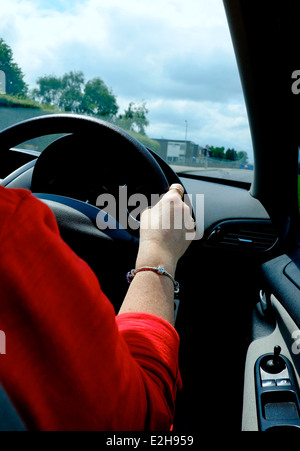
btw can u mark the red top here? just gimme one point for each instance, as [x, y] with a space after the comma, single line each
[70, 363]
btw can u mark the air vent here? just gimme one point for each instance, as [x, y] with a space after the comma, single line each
[249, 235]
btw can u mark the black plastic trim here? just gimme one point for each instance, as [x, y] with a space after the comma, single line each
[280, 284]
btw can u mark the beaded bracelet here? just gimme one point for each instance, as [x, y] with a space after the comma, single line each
[160, 271]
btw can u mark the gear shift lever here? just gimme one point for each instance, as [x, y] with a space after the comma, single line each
[273, 364]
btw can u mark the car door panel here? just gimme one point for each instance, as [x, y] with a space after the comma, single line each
[281, 277]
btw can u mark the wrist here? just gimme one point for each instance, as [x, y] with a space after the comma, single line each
[158, 270]
[155, 258]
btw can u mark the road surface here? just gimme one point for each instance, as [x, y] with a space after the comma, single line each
[241, 175]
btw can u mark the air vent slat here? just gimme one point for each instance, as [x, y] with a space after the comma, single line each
[254, 235]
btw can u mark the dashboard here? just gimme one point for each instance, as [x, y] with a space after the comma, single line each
[224, 202]
[228, 215]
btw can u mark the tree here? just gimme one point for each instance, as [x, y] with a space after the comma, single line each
[134, 118]
[64, 93]
[70, 93]
[217, 152]
[98, 99]
[15, 84]
[48, 91]
[231, 155]
[71, 97]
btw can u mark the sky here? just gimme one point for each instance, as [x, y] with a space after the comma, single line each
[176, 56]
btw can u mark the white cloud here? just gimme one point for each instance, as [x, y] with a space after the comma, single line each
[177, 56]
[209, 123]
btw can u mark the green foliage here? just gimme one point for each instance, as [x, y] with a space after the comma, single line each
[147, 142]
[230, 154]
[63, 93]
[70, 93]
[15, 84]
[217, 152]
[98, 100]
[48, 92]
[7, 101]
[134, 118]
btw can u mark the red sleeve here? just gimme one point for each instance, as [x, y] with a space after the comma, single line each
[69, 364]
[154, 344]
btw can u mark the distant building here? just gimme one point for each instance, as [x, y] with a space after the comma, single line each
[179, 152]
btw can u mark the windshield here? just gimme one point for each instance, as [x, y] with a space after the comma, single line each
[164, 70]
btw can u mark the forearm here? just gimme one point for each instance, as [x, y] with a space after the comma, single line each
[152, 293]
[162, 243]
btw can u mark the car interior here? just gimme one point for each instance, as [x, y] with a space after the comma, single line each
[239, 314]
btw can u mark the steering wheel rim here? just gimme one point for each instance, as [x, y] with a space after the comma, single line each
[77, 124]
[80, 125]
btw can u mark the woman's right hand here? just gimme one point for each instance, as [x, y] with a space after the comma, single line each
[166, 231]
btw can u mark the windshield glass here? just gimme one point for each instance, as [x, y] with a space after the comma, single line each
[164, 70]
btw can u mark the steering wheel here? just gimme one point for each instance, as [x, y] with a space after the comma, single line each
[94, 158]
